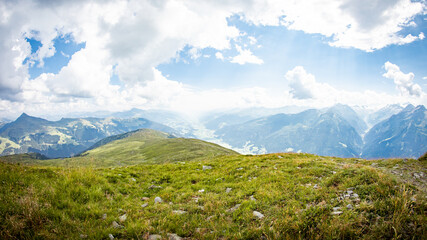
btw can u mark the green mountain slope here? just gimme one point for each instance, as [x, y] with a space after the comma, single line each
[275, 196]
[140, 146]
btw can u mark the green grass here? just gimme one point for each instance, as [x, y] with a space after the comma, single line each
[38, 202]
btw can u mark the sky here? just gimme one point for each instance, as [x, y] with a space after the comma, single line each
[193, 56]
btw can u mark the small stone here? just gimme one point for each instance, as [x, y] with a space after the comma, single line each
[258, 214]
[154, 186]
[83, 236]
[349, 192]
[279, 156]
[119, 174]
[110, 236]
[416, 175]
[275, 168]
[201, 208]
[209, 218]
[154, 237]
[234, 208]
[116, 225]
[133, 179]
[179, 212]
[144, 205]
[336, 213]
[355, 195]
[336, 209]
[170, 203]
[201, 190]
[333, 172]
[123, 218]
[239, 169]
[104, 216]
[252, 198]
[316, 186]
[145, 198]
[298, 167]
[158, 200]
[349, 206]
[173, 236]
[206, 168]
[228, 190]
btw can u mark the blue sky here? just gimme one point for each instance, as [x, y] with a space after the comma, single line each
[199, 56]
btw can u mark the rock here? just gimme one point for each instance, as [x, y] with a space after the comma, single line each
[116, 225]
[158, 200]
[154, 237]
[122, 218]
[279, 156]
[239, 169]
[316, 186]
[173, 236]
[201, 190]
[144, 205]
[252, 198]
[170, 203]
[228, 190]
[349, 192]
[349, 206]
[179, 212]
[416, 175]
[110, 236]
[336, 209]
[355, 195]
[83, 236]
[201, 208]
[333, 172]
[336, 213]
[234, 208]
[104, 216]
[133, 179]
[258, 214]
[209, 218]
[154, 186]
[145, 198]
[206, 168]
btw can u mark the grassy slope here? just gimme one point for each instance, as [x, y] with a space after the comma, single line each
[54, 203]
[142, 146]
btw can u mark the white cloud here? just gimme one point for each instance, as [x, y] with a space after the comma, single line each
[245, 56]
[219, 56]
[301, 83]
[404, 82]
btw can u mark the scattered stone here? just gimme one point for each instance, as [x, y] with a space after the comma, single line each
[355, 195]
[336, 213]
[349, 206]
[416, 175]
[279, 156]
[116, 225]
[258, 214]
[110, 236]
[154, 186]
[133, 179]
[123, 218]
[333, 172]
[201, 208]
[144, 205]
[206, 168]
[233, 208]
[275, 167]
[252, 198]
[396, 166]
[228, 190]
[336, 209]
[298, 167]
[83, 236]
[196, 199]
[179, 212]
[239, 169]
[170, 203]
[316, 186]
[350, 188]
[374, 164]
[119, 174]
[158, 200]
[349, 192]
[201, 190]
[104, 216]
[173, 236]
[154, 237]
[145, 198]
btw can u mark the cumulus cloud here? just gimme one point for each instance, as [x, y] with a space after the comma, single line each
[301, 83]
[404, 81]
[219, 56]
[245, 56]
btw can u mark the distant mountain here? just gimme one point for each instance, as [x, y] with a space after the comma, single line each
[383, 114]
[350, 116]
[67, 136]
[313, 131]
[402, 135]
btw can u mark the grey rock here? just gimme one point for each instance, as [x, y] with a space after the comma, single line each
[252, 198]
[234, 208]
[315, 186]
[154, 186]
[179, 212]
[133, 179]
[144, 205]
[104, 216]
[173, 236]
[258, 214]
[239, 169]
[228, 190]
[154, 237]
[336, 209]
[110, 236]
[349, 206]
[123, 218]
[158, 200]
[206, 168]
[116, 225]
[83, 236]
[336, 213]
[201, 190]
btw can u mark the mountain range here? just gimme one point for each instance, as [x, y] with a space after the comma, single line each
[340, 130]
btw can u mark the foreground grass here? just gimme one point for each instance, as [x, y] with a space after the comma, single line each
[296, 193]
